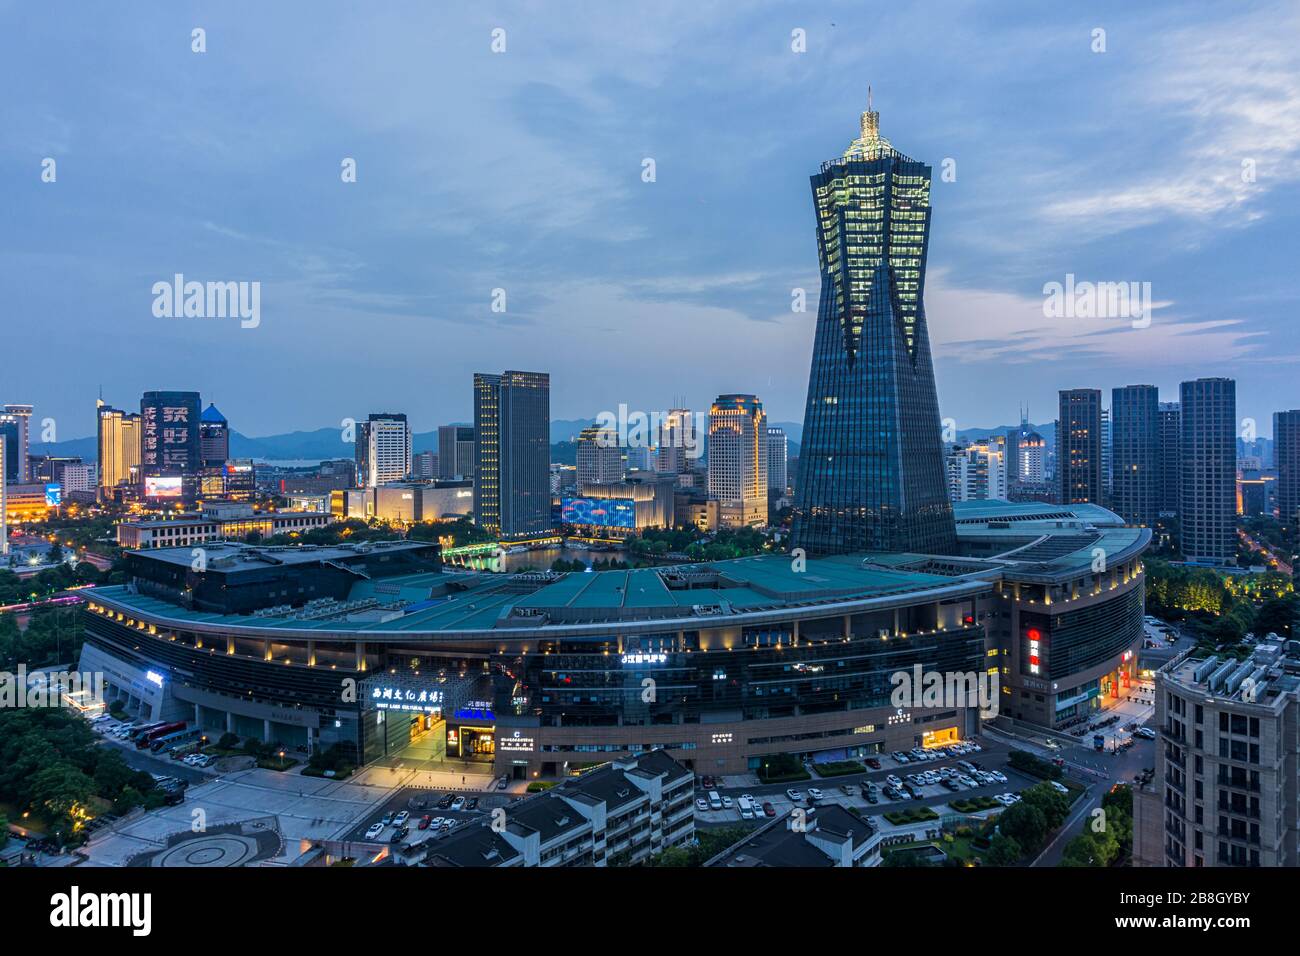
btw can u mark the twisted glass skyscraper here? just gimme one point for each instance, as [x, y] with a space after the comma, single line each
[871, 463]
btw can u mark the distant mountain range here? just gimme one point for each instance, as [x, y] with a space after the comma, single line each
[323, 443]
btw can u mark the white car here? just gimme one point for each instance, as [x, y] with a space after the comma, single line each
[750, 798]
[795, 795]
[458, 803]
[999, 776]
[1007, 798]
[1058, 787]
[814, 793]
[374, 831]
[401, 818]
[701, 804]
[1051, 744]
[747, 814]
[894, 782]
[727, 803]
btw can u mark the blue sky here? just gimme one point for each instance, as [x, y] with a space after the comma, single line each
[522, 170]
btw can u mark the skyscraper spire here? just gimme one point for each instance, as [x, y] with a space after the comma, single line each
[869, 144]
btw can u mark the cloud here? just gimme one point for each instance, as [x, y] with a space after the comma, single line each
[1231, 94]
[1012, 329]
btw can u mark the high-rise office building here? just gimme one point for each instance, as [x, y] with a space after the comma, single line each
[424, 465]
[871, 470]
[170, 453]
[599, 457]
[1031, 458]
[1207, 518]
[977, 471]
[738, 460]
[119, 448]
[455, 451]
[677, 442]
[1106, 457]
[1286, 455]
[512, 451]
[214, 437]
[383, 449]
[15, 428]
[1078, 447]
[1171, 459]
[1135, 492]
[778, 458]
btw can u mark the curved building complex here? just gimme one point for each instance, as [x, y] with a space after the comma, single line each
[723, 664]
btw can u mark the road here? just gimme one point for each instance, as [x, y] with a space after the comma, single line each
[1258, 547]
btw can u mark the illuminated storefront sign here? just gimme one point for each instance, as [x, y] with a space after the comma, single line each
[409, 699]
[722, 738]
[516, 744]
[154, 677]
[1035, 637]
[639, 658]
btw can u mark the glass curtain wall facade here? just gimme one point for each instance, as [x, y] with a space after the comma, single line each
[871, 471]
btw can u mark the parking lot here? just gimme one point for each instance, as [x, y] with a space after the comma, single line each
[446, 811]
[848, 790]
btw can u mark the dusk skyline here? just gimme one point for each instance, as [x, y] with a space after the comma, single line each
[1122, 166]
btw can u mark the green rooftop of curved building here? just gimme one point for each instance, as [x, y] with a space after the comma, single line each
[998, 541]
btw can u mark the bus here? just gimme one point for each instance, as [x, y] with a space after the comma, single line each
[146, 739]
[176, 737]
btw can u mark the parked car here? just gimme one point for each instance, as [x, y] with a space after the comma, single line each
[386, 819]
[458, 803]
[870, 796]
[727, 803]
[768, 809]
[1059, 787]
[400, 834]
[424, 822]
[374, 831]
[445, 802]
[814, 793]
[794, 795]
[401, 818]
[894, 782]
[701, 804]
[873, 763]
[502, 782]
[471, 803]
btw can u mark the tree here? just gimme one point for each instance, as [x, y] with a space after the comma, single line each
[1275, 616]
[1003, 851]
[1055, 805]
[1025, 824]
[1091, 848]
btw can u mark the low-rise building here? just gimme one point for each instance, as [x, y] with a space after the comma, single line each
[620, 813]
[822, 836]
[219, 521]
